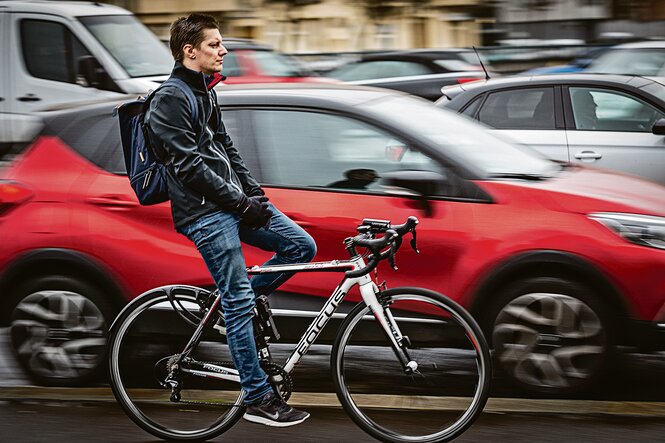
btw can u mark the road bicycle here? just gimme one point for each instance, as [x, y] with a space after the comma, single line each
[408, 364]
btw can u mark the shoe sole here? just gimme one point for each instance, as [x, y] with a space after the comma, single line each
[269, 422]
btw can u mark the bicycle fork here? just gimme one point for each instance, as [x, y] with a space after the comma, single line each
[398, 342]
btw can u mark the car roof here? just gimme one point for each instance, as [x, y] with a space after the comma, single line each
[430, 54]
[64, 8]
[233, 43]
[321, 95]
[548, 79]
[308, 94]
[658, 44]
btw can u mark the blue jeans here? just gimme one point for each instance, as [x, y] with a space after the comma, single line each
[217, 236]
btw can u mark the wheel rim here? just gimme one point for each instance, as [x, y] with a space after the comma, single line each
[470, 407]
[550, 341]
[135, 405]
[59, 334]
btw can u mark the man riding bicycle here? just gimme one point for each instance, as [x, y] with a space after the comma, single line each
[217, 204]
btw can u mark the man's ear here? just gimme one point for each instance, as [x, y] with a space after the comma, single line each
[188, 50]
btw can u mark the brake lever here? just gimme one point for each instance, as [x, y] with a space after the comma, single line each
[414, 243]
[391, 261]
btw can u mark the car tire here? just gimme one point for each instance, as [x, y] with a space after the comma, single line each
[550, 335]
[59, 329]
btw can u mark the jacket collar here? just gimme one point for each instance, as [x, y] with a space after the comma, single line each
[198, 81]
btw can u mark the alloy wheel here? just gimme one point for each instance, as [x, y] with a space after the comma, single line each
[549, 341]
[58, 334]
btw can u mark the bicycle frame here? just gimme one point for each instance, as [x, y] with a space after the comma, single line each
[368, 291]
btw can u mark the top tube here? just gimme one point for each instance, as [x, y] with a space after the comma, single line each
[322, 266]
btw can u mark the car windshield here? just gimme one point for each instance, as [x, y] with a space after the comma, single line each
[275, 64]
[134, 46]
[463, 139]
[630, 61]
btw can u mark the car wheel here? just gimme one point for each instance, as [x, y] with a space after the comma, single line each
[551, 335]
[59, 327]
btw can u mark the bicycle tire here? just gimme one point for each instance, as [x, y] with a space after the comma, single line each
[135, 340]
[431, 329]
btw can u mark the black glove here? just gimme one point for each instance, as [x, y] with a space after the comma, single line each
[255, 192]
[257, 213]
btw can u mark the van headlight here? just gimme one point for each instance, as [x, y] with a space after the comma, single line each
[643, 230]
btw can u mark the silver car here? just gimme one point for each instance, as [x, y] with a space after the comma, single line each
[609, 121]
[640, 58]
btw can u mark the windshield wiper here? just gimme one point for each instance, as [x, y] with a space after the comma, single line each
[520, 176]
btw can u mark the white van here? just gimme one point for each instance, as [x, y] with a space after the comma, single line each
[55, 53]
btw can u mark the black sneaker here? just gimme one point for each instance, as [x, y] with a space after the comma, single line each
[273, 411]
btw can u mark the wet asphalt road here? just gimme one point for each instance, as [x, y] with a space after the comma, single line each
[105, 422]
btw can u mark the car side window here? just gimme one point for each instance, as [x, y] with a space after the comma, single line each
[471, 108]
[50, 50]
[94, 135]
[311, 149]
[383, 69]
[597, 109]
[531, 108]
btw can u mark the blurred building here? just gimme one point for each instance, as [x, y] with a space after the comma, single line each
[590, 21]
[332, 25]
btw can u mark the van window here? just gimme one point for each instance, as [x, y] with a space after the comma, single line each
[50, 50]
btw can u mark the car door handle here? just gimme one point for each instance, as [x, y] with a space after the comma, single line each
[113, 202]
[29, 98]
[300, 222]
[588, 155]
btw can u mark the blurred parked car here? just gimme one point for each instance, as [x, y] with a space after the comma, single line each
[252, 62]
[576, 65]
[640, 58]
[418, 72]
[557, 262]
[609, 121]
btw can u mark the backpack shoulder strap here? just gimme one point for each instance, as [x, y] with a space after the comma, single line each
[184, 87]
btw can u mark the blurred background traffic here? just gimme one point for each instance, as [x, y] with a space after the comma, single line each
[527, 135]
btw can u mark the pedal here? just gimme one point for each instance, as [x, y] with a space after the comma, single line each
[266, 322]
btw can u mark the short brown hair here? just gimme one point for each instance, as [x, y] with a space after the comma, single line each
[189, 31]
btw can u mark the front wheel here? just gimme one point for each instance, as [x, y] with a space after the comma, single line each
[441, 398]
[144, 346]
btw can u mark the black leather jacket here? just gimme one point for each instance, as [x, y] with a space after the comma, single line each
[205, 171]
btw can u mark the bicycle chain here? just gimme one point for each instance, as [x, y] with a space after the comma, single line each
[269, 368]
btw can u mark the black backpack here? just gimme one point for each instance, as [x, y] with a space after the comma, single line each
[146, 173]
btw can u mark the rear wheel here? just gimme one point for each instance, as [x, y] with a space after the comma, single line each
[145, 342]
[436, 403]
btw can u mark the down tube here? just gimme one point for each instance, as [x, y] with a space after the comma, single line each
[319, 322]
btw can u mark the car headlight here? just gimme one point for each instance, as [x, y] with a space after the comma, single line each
[643, 230]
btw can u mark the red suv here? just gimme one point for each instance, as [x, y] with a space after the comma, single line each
[559, 263]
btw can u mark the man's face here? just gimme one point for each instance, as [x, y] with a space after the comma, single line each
[208, 56]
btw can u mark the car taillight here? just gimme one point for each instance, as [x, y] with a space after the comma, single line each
[12, 194]
[468, 79]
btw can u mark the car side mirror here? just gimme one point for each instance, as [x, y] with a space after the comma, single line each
[419, 184]
[659, 127]
[89, 72]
